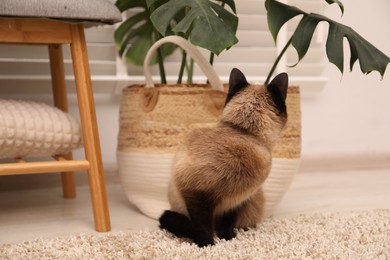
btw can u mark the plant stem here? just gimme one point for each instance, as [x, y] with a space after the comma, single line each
[160, 61]
[182, 65]
[161, 66]
[211, 60]
[190, 71]
[277, 61]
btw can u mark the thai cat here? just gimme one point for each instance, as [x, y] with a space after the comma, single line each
[217, 174]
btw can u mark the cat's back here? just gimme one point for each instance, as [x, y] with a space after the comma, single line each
[219, 141]
[220, 154]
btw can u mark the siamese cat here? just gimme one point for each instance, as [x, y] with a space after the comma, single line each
[217, 174]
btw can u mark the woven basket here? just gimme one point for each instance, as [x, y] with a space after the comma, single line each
[155, 118]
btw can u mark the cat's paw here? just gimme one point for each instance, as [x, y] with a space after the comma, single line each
[204, 241]
[226, 234]
[203, 237]
[176, 223]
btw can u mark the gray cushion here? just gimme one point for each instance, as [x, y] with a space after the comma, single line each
[101, 11]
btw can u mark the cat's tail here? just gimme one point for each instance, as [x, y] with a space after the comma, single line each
[176, 223]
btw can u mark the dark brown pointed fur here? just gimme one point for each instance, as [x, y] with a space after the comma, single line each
[218, 173]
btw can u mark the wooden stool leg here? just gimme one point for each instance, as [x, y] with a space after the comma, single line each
[68, 181]
[61, 101]
[90, 129]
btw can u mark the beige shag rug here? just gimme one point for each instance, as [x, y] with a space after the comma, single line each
[358, 235]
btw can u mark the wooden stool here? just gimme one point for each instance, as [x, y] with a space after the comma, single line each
[16, 28]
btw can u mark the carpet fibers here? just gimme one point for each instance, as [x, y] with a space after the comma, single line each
[356, 235]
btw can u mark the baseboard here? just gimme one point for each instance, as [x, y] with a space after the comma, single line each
[344, 162]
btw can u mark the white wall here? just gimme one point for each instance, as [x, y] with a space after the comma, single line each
[351, 116]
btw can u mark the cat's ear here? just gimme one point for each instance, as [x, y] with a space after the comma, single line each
[237, 82]
[278, 89]
[280, 84]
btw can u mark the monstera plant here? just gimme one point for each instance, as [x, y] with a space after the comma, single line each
[204, 23]
[208, 24]
[370, 58]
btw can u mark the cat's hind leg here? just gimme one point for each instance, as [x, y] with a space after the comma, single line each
[200, 207]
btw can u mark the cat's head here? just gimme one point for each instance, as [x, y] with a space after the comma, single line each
[259, 110]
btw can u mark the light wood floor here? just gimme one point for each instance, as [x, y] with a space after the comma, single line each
[29, 214]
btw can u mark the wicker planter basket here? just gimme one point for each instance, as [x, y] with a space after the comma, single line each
[155, 118]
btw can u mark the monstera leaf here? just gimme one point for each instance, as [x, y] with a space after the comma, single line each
[205, 24]
[336, 2]
[139, 30]
[370, 58]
